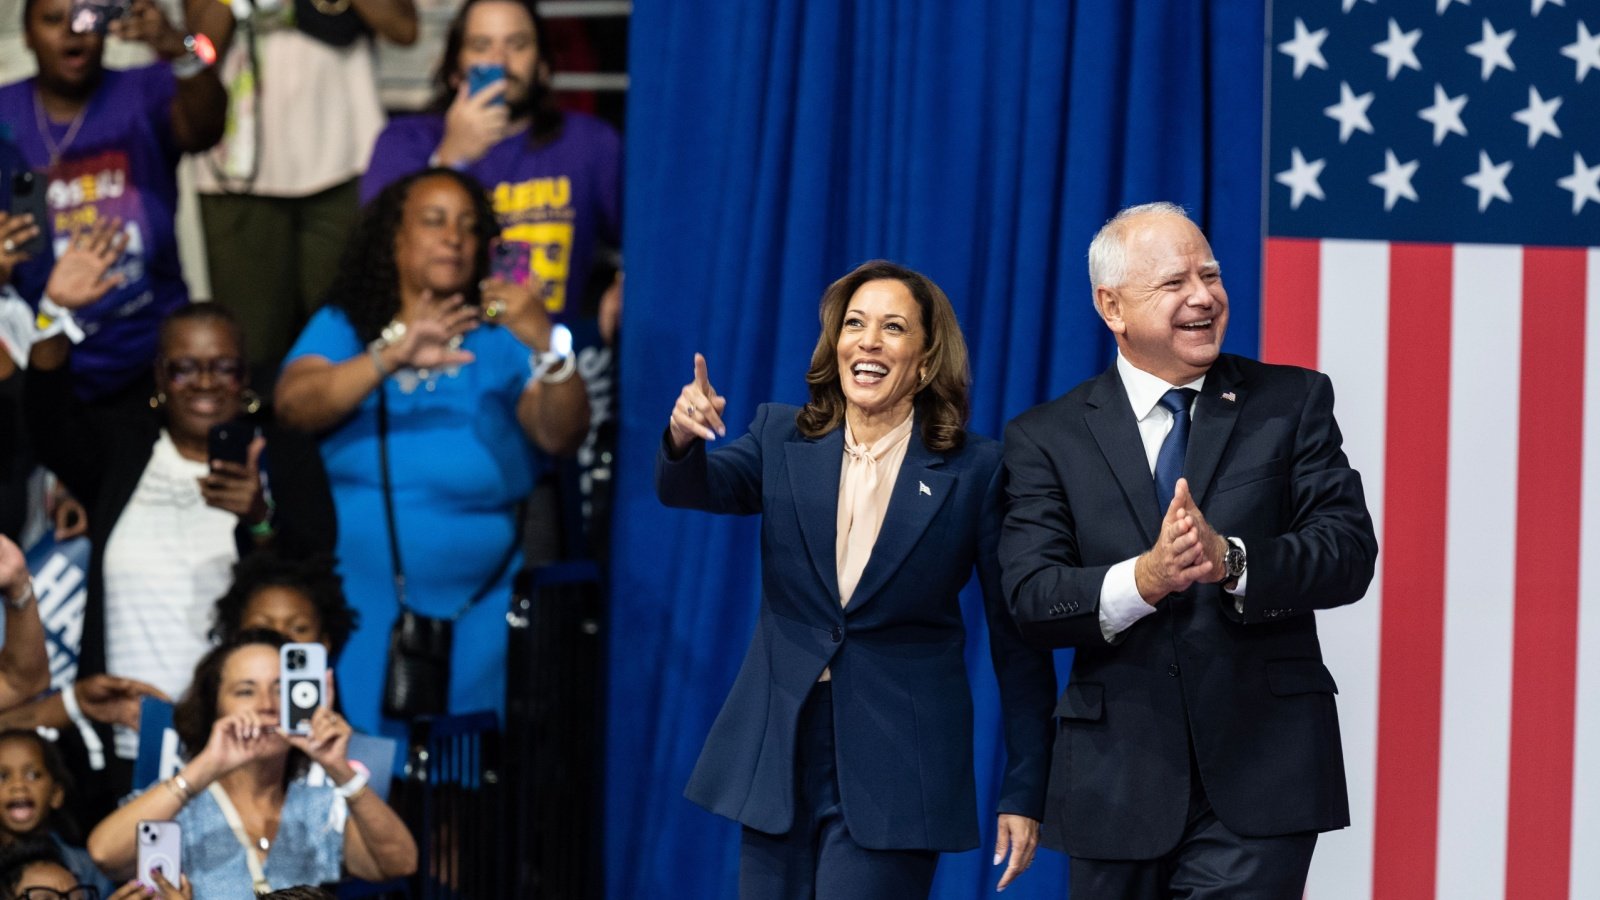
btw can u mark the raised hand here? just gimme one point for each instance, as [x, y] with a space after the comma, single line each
[13, 570]
[239, 739]
[473, 124]
[144, 22]
[519, 308]
[114, 700]
[328, 744]
[236, 487]
[79, 277]
[698, 410]
[426, 343]
[15, 231]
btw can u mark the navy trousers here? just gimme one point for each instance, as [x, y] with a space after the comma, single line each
[817, 858]
[1209, 863]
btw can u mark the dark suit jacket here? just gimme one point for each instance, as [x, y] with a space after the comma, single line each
[902, 704]
[1249, 690]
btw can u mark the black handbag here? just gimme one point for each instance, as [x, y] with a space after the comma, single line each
[416, 681]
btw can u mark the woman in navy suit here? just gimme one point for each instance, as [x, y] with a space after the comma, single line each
[845, 746]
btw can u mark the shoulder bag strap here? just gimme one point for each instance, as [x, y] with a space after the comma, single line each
[258, 877]
[396, 568]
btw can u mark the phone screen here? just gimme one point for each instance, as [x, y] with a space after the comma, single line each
[95, 16]
[511, 261]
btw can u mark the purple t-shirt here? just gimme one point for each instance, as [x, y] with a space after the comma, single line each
[558, 198]
[122, 162]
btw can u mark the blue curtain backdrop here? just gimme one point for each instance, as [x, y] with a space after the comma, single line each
[772, 146]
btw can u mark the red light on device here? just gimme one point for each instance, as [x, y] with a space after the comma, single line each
[203, 48]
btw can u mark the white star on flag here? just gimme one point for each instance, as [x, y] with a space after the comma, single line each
[1306, 48]
[1585, 51]
[1351, 4]
[1400, 49]
[1301, 178]
[1539, 115]
[1443, 4]
[1494, 49]
[1489, 181]
[1395, 179]
[1350, 112]
[1539, 4]
[1584, 183]
[1445, 114]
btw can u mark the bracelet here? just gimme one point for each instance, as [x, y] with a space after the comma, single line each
[375, 350]
[198, 55]
[180, 788]
[21, 603]
[54, 319]
[264, 529]
[354, 786]
[556, 373]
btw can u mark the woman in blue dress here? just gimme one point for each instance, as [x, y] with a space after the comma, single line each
[474, 402]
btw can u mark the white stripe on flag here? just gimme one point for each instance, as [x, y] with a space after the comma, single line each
[1474, 764]
[1585, 864]
[1352, 347]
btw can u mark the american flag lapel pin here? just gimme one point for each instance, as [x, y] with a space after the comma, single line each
[1229, 396]
[922, 488]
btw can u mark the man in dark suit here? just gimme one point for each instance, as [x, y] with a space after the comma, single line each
[1177, 520]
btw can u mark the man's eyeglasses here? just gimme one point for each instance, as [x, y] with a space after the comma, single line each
[185, 370]
[81, 892]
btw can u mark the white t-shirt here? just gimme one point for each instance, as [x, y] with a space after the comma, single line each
[169, 558]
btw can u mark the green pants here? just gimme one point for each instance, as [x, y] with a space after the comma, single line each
[271, 260]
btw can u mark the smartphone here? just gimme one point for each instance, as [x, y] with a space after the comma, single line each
[230, 441]
[160, 846]
[28, 196]
[303, 672]
[482, 75]
[96, 16]
[511, 261]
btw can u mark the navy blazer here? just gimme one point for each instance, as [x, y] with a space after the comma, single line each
[902, 704]
[1264, 464]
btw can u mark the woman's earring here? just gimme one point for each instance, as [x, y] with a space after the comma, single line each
[158, 399]
[252, 401]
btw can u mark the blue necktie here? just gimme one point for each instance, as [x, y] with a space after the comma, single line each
[1169, 461]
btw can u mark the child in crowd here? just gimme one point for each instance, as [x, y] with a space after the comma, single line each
[33, 786]
[303, 600]
[34, 870]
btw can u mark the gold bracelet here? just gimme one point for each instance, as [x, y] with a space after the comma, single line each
[179, 788]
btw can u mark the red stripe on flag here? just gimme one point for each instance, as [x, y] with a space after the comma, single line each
[1544, 661]
[1289, 315]
[1417, 432]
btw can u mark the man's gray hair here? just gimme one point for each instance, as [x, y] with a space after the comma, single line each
[1108, 252]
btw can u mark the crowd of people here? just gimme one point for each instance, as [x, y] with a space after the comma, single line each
[337, 447]
[341, 448]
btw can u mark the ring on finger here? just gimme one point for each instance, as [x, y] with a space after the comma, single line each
[10, 245]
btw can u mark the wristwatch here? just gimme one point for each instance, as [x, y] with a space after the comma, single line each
[21, 603]
[198, 55]
[1232, 563]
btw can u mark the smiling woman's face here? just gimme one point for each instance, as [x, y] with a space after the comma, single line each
[881, 343]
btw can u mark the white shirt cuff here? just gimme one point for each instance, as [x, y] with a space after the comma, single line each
[1120, 603]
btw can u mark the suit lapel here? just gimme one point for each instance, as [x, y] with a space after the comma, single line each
[1216, 411]
[1110, 420]
[814, 483]
[920, 491]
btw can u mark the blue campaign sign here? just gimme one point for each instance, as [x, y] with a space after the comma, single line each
[59, 579]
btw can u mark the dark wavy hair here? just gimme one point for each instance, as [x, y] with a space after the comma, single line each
[367, 285]
[57, 820]
[546, 117]
[941, 401]
[15, 859]
[313, 576]
[196, 712]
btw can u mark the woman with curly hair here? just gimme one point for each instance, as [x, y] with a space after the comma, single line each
[301, 599]
[438, 401]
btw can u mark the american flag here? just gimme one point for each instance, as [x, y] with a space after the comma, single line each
[1433, 219]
